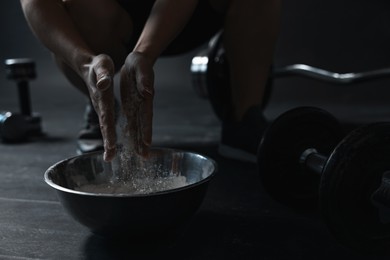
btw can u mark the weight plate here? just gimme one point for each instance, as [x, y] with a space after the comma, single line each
[199, 65]
[13, 127]
[218, 81]
[353, 172]
[282, 145]
[211, 78]
[217, 78]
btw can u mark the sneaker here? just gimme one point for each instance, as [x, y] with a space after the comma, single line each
[240, 140]
[90, 138]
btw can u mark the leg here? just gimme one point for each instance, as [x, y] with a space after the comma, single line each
[250, 32]
[105, 28]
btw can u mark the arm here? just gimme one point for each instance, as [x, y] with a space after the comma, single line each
[53, 26]
[166, 20]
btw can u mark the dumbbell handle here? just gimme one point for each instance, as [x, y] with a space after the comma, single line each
[313, 160]
[22, 70]
[24, 97]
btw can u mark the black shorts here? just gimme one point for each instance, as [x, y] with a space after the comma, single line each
[203, 25]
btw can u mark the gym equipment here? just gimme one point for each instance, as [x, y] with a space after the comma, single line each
[15, 127]
[330, 76]
[210, 77]
[304, 158]
[282, 146]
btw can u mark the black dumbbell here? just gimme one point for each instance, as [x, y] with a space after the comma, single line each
[13, 127]
[16, 127]
[306, 162]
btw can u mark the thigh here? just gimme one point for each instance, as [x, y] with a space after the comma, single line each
[203, 25]
[103, 24]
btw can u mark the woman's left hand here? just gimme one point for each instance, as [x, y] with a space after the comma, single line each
[137, 93]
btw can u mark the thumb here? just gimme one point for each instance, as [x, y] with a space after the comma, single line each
[103, 68]
[103, 78]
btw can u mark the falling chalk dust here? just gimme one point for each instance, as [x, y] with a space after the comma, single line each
[132, 174]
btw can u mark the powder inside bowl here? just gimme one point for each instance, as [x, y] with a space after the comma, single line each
[129, 173]
[136, 186]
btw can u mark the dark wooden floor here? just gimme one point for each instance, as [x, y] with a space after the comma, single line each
[237, 219]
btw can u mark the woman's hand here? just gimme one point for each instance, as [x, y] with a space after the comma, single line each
[137, 92]
[98, 75]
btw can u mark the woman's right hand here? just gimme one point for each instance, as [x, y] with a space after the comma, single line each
[98, 76]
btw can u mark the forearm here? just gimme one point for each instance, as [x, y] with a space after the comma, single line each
[52, 25]
[167, 19]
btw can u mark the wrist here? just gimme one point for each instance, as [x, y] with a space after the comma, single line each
[147, 52]
[80, 62]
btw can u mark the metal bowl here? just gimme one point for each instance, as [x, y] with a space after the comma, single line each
[126, 198]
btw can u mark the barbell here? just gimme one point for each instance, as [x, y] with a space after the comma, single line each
[210, 76]
[307, 162]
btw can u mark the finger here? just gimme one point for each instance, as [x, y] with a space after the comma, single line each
[147, 118]
[106, 104]
[104, 71]
[141, 148]
[137, 102]
[145, 88]
[107, 126]
[103, 82]
[130, 109]
[109, 153]
[125, 86]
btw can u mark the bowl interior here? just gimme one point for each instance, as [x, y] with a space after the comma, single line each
[165, 170]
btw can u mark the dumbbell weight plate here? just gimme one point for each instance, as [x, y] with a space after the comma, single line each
[282, 176]
[218, 79]
[20, 69]
[353, 172]
[13, 127]
[211, 78]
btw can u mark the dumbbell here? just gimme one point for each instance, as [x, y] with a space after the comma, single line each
[15, 127]
[307, 162]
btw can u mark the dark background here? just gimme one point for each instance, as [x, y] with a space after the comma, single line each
[341, 36]
[238, 220]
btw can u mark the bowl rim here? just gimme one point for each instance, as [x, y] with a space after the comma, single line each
[57, 187]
